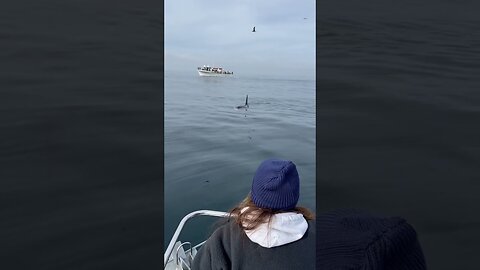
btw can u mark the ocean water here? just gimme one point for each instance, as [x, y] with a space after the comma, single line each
[398, 118]
[212, 149]
[81, 135]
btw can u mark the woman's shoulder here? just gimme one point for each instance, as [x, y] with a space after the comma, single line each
[227, 233]
[225, 226]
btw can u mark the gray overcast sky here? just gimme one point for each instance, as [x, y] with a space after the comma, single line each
[213, 32]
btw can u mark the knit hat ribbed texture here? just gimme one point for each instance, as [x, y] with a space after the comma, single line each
[276, 185]
[353, 239]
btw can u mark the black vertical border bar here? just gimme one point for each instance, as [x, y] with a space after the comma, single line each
[317, 122]
[162, 117]
[317, 103]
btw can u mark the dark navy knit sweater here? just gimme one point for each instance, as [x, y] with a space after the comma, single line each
[356, 240]
[346, 239]
[230, 248]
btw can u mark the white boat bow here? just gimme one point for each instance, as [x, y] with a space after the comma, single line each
[177, 256]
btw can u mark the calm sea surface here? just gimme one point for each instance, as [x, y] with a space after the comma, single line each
[398, 118]
[212, 149]
[81, 135]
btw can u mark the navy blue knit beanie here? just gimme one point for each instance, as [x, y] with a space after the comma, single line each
[354, 239]
[276, 185]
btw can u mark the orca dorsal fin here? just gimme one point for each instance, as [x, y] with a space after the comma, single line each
[246, 101]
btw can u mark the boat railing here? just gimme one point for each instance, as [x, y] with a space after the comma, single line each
[180, 226]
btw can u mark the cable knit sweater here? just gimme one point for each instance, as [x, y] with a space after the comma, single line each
[346, 239]
[349, 239]
[230, 248]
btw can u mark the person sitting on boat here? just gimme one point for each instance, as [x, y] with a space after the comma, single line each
[267, 230]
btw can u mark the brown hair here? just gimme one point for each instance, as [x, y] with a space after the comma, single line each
[253, 216]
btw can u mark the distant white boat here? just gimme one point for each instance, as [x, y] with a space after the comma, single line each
[213, 71]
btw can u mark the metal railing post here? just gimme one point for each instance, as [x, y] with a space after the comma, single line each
[170, 246]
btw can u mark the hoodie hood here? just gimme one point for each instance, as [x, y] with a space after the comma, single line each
[284, 228]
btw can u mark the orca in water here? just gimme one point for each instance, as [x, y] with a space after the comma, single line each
[243, 106]
[253, 29]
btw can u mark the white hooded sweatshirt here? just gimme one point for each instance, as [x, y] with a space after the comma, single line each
[284, 228]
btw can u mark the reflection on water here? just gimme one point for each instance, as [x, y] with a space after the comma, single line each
[80, 135]
[398, 117]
